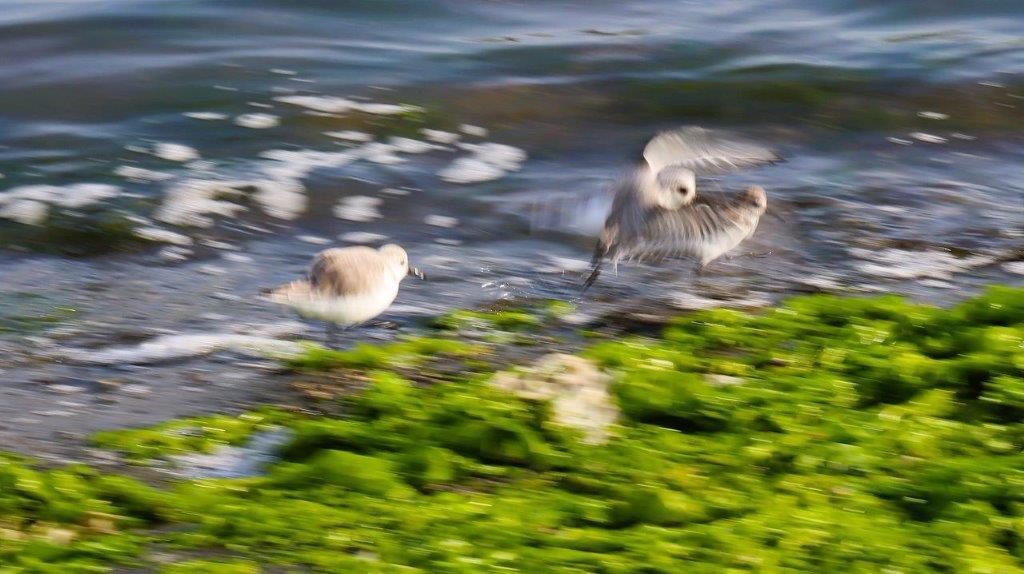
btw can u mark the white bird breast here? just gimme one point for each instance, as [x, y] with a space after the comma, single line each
[346, 311]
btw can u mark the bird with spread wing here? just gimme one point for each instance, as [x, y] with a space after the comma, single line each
[656, 211]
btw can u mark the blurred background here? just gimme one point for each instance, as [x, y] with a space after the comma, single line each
[163, 161]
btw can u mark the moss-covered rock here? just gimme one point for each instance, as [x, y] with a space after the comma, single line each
[828, 434]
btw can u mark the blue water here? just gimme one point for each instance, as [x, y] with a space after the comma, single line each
[901, 124]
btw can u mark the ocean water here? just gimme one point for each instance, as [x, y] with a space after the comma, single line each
[164, 161]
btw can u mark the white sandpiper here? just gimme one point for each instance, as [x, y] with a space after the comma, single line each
[657, 212]
[347, 286]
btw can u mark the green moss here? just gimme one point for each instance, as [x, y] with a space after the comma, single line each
[199, 434]
[30, 312]
[411, 352]
[71, 519]
[858, 435]
[95, 233]
[212, 567]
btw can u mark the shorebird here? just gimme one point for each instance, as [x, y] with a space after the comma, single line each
[657, 213]
[347, 286]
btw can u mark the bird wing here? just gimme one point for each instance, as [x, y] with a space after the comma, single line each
[704, 152]
[706, 227]
[346, 272]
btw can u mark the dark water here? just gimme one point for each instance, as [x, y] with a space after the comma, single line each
[901, 122]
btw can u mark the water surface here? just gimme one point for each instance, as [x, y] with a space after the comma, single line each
[900, 123]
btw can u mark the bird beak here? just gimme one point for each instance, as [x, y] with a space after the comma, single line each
[417, 273]
[775, 215]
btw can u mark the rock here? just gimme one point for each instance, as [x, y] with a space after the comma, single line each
[578, 392]
[722, 380]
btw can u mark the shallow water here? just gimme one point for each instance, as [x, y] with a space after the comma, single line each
[244, 136]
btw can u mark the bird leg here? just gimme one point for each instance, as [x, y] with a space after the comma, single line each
[331, 335]
[595, 262]
[593, 277]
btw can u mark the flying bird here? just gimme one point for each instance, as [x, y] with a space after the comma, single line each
[347, 286]
[656, 211]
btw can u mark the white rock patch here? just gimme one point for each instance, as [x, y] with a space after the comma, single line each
[578, 392]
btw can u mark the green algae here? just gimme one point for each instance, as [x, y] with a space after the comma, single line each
[828, 434]
[90, 234]
[410, 352]
[198, 434]
[212, 567]
[23, 312]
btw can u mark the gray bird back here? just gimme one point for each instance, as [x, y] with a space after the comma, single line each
[350, 271]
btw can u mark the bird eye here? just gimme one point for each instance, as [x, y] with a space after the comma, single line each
[682, 190]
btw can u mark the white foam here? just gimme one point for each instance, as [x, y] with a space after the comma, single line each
[386, 109]
[257, 121]
[905, 264]
[175, 152]
[237, 257]
[361, 237]
[489, 161]
[75, 195]
[173, 347]
[471, 130]
[296, 164]
[206, 116]
[933, 115]
[350, 135]
[141, 174]
[376, 152]
[440, 221]
[439, 136]
[283, 72]
[694, 302]
[25, 211]
[568, 264]
[504, 156]
[358, 208]
[313, 239]
[928, 138]
[281, 198]
[190, 202]
[163, 236]
[407, 145]
[336, 105]
[174, 253]
[470, 170]
[223, 245]
[1014, 267]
